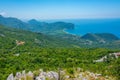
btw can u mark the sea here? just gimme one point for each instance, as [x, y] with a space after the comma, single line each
[84, 26]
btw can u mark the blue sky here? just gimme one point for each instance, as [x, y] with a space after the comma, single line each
[60, 9]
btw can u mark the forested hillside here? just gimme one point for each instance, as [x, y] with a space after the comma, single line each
[49, 59]
[45, 34]
[24, 50]
[36, 26]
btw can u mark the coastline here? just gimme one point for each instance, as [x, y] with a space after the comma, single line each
[64, 30]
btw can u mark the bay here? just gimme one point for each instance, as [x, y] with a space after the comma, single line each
[83, 26]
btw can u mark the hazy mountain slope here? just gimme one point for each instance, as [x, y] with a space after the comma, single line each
[36, 26]
[8, 37]
[13, 22]
[50, 28]
[100, 36]
[107, 36]
[53, 34]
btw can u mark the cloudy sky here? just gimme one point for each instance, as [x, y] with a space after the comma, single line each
[60, 9]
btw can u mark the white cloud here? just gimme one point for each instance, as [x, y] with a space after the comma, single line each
[3, 13]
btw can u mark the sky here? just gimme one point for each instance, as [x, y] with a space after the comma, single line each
[60, 9]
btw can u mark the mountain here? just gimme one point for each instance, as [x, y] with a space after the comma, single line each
[46, 34]
[36, 26]
[8, 37]
[100, 37]
[24, 48]
[31, 51]
[50, 28]
[13, 22]
[108, 36]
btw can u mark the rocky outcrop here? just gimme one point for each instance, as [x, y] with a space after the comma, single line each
[10, 77]
[2, 35]
[110, 56]
[79, 74]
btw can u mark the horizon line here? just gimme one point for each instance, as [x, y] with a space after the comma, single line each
[60, 18]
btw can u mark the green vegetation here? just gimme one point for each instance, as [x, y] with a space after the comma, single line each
[51, 53]
[8, 37]
[53, 58]
[100, 37]
[36, 26]
[50, 28]
[54, 34]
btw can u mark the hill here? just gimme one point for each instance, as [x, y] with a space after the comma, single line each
[13, 22]
[100, 37]
[46, 34]
[36, 26]
[8, 37]
[25, 50]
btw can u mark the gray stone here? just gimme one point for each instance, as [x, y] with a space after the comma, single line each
[30, 74]
[18, 75]
[10, 77]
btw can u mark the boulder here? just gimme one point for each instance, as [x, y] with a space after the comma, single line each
[10, 77]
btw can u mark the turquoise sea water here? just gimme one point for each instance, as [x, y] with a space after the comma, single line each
[84, 26]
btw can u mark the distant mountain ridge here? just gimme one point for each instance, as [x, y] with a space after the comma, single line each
[13, 22]
[100, 36]
[9, 36]
[34, 25]
[55, 34]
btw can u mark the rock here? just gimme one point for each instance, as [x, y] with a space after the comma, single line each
[62, 72]
[80, 76]
[2, 35]
[18, 75]
[43, 74]
[98, 74]
[30, 74]
[10, 77]
[84, 79]
[67, 77]
[52, 74]
[37, 78]
[24, 75]
[40, 78]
